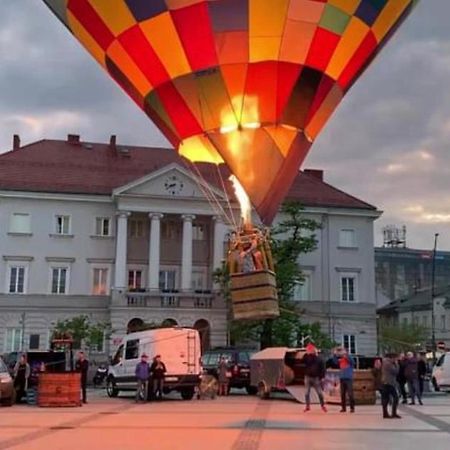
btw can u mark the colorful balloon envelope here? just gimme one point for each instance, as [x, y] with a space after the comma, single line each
[249, 83]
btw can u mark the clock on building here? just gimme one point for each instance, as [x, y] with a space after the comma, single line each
[173, 185]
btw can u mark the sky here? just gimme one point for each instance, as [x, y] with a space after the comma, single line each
[387, 144]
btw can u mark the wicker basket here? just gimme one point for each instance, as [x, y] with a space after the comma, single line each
[59, 389]
[254, 295]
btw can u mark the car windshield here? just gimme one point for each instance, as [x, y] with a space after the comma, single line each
[212, 359]
[3, 367]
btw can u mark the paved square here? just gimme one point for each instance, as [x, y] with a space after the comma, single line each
[238, 422]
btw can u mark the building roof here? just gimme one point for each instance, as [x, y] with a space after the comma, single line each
[77, 167]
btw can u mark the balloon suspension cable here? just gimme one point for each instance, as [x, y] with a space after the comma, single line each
[235, 225]
[210, 195]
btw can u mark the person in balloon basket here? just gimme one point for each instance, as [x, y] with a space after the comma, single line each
[346, 365]
[157, 373]
[389, 394]
[314, 375]
[82, 367]
[142, 373]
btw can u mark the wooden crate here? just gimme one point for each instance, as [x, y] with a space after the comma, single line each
[254, 295]
[59, 389]
[364, 387]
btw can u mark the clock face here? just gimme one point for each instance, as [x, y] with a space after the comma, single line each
[173, 185]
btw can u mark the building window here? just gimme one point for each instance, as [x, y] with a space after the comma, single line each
[170, 229]
[137, 227]
[103, 226]
[349, 288]
[302, 291]
[62, 224]
[134, 279]
[443, 324]
[34, 342]
[198, 232]
[405, 321]
[59, 280]
[167, 279]
[13, 342]
[100, 281]
[349, 342]
[347, 238]
[20, 223]
[17, 280]
[197, 281]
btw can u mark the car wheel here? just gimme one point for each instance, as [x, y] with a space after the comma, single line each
[111, 388]
[187, 393]
[251, 390]
[435, 385]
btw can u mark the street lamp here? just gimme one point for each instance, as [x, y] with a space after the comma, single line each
[433, 293]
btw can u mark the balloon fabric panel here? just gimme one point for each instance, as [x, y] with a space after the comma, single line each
[250, 83]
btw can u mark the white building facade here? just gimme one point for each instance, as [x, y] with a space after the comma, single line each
[127, 235]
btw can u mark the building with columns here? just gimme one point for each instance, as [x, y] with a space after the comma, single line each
[128, 235]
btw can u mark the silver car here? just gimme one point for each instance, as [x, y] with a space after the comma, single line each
[7, 391]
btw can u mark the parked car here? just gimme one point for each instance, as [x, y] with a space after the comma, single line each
[179, 349]
[238, 360]
[7, 391]
[441, 373]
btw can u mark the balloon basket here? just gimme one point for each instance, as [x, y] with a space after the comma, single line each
[254, 295]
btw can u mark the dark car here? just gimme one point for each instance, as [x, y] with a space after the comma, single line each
[7, 392]
[238, 361]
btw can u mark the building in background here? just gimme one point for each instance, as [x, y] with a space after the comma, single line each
[128, 235]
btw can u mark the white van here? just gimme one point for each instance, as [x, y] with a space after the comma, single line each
[441, 373]
[179, 349]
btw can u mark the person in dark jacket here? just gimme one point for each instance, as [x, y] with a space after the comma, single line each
[142, 373]
[82, 366]
[377, 375]
[412, 378]
[21, 373]
[346, 366]
[157, 373]
[314, 374]
[401, 379]
[422, 368]
[389, 374]
[223, 376]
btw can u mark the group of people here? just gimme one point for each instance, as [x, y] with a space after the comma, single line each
[315, 374]
[145, 373]
[393, 373]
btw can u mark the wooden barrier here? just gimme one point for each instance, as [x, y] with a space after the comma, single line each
[59, 389]
[254, 295]
[363, 387]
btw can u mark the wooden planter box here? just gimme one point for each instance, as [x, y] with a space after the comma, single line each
[59, 389]
[254, 296]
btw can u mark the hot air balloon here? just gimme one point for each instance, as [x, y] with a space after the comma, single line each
[248, 83]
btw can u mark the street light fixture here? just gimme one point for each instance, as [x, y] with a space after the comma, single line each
[433, 293]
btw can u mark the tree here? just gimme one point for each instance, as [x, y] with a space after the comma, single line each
[402, 338]
[293, 236]
[84, 333]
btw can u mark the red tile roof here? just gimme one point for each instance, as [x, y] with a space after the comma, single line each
[93, 168]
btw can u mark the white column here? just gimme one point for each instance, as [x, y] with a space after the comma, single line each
[220, 231]
[186, 257]
[154, 250]
[120, 278]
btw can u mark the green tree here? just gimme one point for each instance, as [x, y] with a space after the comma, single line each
[402, 338]
[293, 236]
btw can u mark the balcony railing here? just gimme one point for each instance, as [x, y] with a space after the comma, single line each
[173, 299]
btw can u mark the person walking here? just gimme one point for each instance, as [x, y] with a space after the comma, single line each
[223, 376]
[82, 367]
[314, 374]
[346, 365]
[142, 376]
[21, 373]
[412, 378]
[401, 379]
[389, 394]
[157, 373]
[422, 370]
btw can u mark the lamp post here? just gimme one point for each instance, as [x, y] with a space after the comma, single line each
[433, 293]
